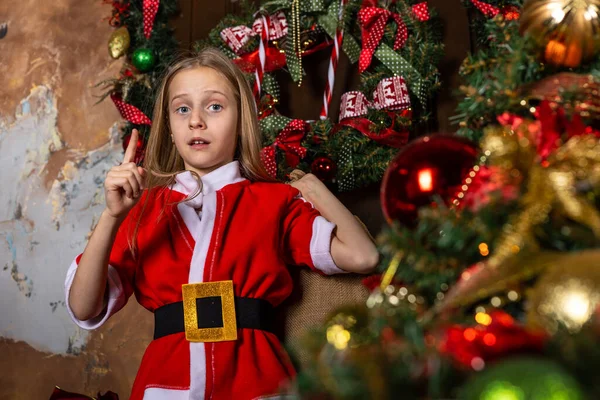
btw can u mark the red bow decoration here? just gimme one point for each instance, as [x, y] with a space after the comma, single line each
[373, 21]
[551, 128]
[487, 9]
[288, 140]
[237, 36]
[274, 60]
[421, 11]
[390, 94]
[150, 10]
[129, 112]
[387, 136]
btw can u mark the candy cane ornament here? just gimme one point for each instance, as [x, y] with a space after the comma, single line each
[333, 62]
[262, 56]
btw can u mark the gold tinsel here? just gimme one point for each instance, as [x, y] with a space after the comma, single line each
[566, 29]
[119, 41]
[551, 187]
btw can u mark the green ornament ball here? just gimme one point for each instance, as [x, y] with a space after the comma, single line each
[522, 379]
[143, 59]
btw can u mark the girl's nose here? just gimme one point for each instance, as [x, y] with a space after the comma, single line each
[196, 122]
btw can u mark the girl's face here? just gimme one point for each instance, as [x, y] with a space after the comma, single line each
[203, 117]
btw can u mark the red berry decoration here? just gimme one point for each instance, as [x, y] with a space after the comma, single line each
[323, 168]
[426, 169]
[511, 13]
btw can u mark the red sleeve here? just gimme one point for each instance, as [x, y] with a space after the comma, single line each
[307, 236]
[121, 272]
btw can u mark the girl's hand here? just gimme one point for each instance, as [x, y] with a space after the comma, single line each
[307, 184]
[352, 247]
[124, 183]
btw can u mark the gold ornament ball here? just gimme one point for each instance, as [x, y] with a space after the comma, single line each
[567, 30]
[119, 42]
[558, 53]
[568, 294]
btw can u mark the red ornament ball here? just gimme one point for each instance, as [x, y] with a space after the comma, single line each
[323, 168]
[426, 169]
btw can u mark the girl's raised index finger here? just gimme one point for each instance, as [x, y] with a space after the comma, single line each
[130, 151]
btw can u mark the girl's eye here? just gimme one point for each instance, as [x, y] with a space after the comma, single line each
[182, 110]
[215, 107]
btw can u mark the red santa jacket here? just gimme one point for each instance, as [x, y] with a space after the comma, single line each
[246, 232]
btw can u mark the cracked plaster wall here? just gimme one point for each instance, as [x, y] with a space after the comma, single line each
[56, 146]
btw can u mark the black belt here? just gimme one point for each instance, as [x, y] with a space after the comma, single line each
[249, 313]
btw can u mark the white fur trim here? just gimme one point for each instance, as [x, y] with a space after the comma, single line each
[116, 298]
[157, 393]
[201, 226]
[320, 247]
[197, 370]
[203, 230]
[191, 219]
[216, 180]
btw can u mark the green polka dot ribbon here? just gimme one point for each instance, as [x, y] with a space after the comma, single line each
[329, 23]
[346, 179]
[271, 126]
[399, 66]
[312, 5]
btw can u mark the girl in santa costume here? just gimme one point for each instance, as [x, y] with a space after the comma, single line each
[203, 237]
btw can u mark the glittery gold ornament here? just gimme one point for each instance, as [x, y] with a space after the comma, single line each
[568, 294]
[119, 42]
[566, 29]
[550, 188]
[480, 282]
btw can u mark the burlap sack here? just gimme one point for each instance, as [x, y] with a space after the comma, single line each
[315, 297]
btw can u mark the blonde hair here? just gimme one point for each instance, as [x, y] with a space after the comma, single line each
[162, 161]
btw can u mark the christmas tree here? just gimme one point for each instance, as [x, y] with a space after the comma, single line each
[489, 284]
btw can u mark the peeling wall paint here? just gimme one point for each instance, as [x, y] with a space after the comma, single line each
[41, 232]
[56, 144]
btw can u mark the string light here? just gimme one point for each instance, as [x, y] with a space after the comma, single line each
[469, 180]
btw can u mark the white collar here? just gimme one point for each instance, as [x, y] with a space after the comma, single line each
[215, 180]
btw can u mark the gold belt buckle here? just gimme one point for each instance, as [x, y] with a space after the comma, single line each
[193, 291]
